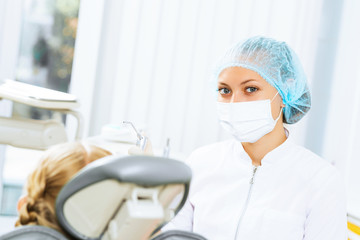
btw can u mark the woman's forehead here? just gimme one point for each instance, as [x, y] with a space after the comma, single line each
[239, 75]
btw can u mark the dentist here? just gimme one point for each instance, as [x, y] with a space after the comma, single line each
[259, 185]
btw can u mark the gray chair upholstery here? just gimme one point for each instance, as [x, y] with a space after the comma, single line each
[178, 235]
[125, 175]
[33, 233]
[144, 172]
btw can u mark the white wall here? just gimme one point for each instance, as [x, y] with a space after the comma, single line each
[86, 60]
[342, 144]
[155, 60]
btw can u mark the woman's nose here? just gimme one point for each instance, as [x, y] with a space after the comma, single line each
[236, 97]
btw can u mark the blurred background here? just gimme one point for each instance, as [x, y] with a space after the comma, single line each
[150, 62]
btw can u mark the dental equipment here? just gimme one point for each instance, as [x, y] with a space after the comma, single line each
[167, 149]
[141, 140]
[31, 133]
[143, 144]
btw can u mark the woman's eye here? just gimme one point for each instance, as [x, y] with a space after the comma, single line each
[251, 89]
[224, 91]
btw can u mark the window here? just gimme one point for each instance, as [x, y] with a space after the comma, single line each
[46, 50]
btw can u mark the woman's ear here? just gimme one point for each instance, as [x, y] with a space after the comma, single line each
[22, 200]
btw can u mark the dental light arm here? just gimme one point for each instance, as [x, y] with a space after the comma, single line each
[36, 134]
[33, 134]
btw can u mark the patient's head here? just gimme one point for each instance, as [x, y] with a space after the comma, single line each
[57, 166]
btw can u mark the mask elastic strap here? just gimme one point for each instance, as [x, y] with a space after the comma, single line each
[280, 109]
[279, 115]
[274, 97]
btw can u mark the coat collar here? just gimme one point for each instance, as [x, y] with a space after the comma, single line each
[273, 157]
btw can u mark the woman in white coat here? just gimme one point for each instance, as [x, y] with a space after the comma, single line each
[260, 185]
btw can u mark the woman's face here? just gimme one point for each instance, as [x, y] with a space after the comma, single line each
[237, 84]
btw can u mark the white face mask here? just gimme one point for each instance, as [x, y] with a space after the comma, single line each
[247, 121]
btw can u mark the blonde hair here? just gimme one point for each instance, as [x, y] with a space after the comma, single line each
[57, 166]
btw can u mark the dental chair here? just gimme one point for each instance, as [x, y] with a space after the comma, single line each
[117, 198]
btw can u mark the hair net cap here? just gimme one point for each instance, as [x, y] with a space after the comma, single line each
[278, 65]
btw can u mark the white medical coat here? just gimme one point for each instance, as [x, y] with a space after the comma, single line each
[296, 195]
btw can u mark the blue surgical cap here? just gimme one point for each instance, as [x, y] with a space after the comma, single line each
[278, 65]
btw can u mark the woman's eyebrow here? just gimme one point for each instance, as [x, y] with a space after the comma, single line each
[249, 80]
[222, 83]
[244, 82]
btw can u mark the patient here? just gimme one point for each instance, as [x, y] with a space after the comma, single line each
[56, 167]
